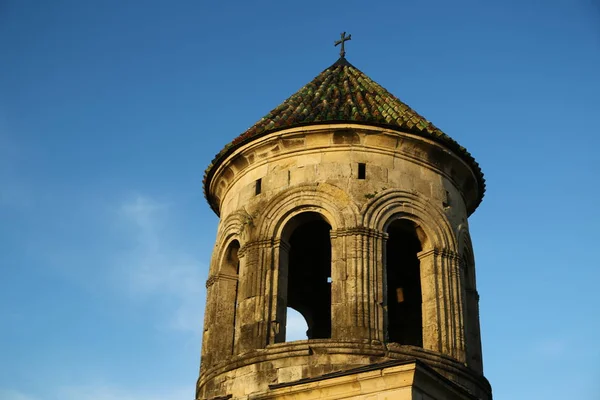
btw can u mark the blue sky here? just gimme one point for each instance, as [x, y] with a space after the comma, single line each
[111, 110]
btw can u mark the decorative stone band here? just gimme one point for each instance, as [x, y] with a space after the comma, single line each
[420, 150]
[449, 254]
[359, 230]
[341, 354]
[282, 244]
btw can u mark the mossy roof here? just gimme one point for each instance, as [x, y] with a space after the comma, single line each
[342, 93]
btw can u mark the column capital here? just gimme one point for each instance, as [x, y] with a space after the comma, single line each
[449, 254]
[261, 243]
[218, 277]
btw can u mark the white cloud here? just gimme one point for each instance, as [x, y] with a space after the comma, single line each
[551, 347]
[8, 394]
[155, 266]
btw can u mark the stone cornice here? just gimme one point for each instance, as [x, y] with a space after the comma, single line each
[378, 352]
[470, 181]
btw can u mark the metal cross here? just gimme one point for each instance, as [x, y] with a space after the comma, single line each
[343, 38]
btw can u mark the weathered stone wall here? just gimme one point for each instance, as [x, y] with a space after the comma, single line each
[398, 381]
[253, 373]
[316, 169]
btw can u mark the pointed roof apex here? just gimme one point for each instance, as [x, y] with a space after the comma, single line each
[342, 62]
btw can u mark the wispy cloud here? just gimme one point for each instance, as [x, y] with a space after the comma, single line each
[9, 394]
[551, 347]
[154, 265]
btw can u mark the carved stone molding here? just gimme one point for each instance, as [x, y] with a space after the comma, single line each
[264, 243]
[220, 276]
[359, 230]
[446, 253]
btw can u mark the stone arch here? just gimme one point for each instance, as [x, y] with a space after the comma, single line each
[222, 289]
[308, 266]
[440, 304]
[334, 205]
[221, 310]
[465, 246]
[467, 259]
[229, 262]
[394, 204]
[402, 286]
[236, 224]
[234, 227]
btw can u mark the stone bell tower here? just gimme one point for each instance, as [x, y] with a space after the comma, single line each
[347, 206]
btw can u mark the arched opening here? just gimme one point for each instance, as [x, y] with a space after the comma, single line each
[231, 262]
[469, 278]
[309, 272]
[402, 290]
[230, 268]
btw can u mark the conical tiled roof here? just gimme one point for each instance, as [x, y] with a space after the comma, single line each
[342, 93]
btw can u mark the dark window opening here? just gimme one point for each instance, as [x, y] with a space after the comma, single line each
[403, 285]
[231, 267]
[467, 273]
[232, 262]
[308, 289]
[362, 170]
[258, 186]
[446, 201]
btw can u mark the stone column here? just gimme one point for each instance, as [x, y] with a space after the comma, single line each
[356, 288]
[277, 286]
[471, 317]
[251, 322]
[207, 355]
[473, 335]
[442, 303]
[457, 314]
[219, 320]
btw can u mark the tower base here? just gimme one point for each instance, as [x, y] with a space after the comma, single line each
[393, 380]
[330, 369]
